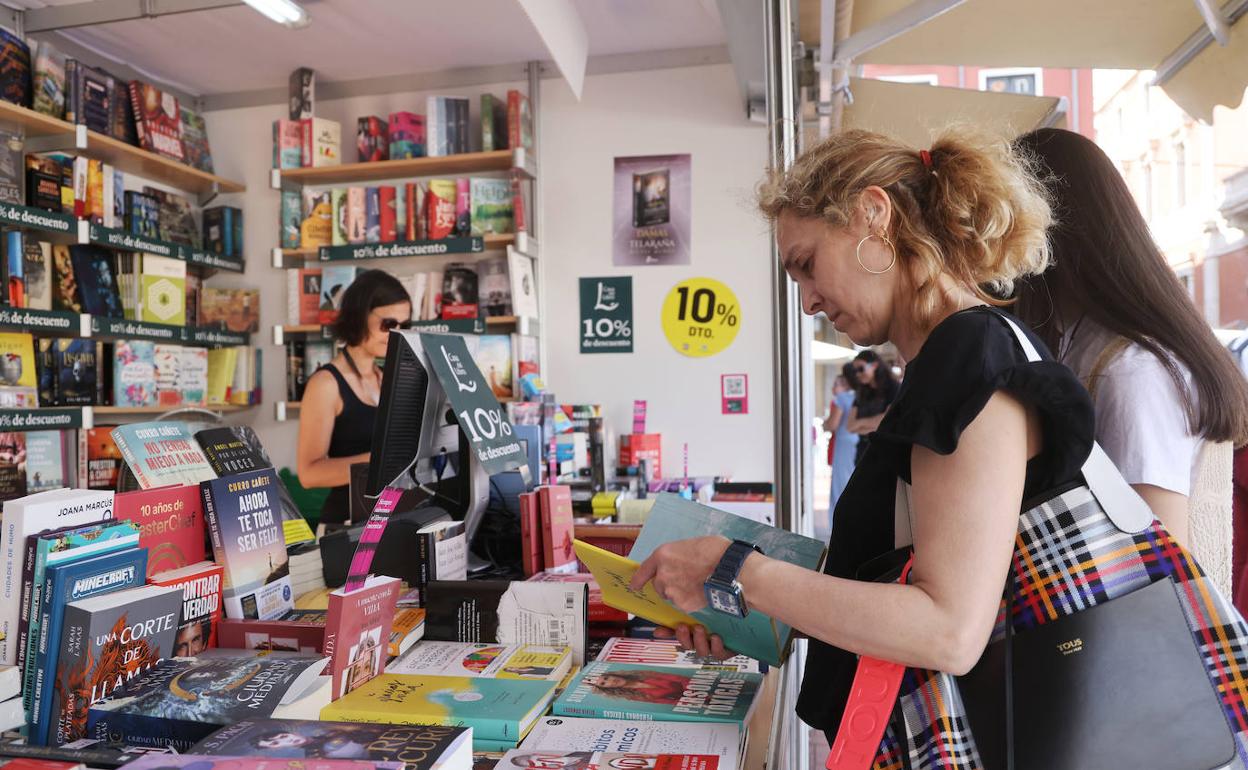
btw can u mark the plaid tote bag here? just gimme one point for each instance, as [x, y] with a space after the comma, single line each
[1079, 549]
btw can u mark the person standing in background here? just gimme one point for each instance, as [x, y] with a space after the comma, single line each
[844, 441]
[876, 389]
[1170, 402]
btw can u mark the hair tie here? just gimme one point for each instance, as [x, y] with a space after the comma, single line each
[926, 157]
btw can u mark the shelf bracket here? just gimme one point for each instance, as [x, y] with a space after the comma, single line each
[209, 195]
[279, 335]
[279, 411]
[88, 417]
[277, 258]
[57, 142]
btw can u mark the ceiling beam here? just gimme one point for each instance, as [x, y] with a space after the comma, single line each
[914, 15]
[1214, 20]
[563, 33]
[59, 17]
[1199, 41]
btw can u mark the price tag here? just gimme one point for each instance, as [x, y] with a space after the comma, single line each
[607, 315]
[480, 415]
[700, 317]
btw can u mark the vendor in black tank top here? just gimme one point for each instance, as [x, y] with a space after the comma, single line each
[340, 403]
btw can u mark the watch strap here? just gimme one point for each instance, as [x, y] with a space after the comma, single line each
[731, 562]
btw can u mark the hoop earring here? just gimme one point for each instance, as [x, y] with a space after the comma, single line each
[887, 242]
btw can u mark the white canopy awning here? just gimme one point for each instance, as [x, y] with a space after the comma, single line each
[1167, 36]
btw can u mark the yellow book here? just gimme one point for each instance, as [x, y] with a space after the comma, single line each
[613, 573]
[221, 364]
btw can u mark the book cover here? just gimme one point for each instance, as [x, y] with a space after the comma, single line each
[309, 295]
[163, 283]
[459, 293]
[201, 605]
[95, 191]
[76, 368]
[539, 759]
[184, 700]
[18, 367]
[440, 209]
[614, 573]
[491, 206]
[408, 629]
[661, 693]
[14, 69]
[508, 612]
[45, 463]
[372, 214]
[170, 521]
[493, 358]
[371, 139]
[162, 453]
[302, 93]
[756, 635]
[519, 121]
[496, 661]
[134, 373]
[317, 227]
[12, 465]
[99, 459]
[355, 216]
[498, 710]
[493, 123]
[193, 376]
[177, 218]
[163, 761]
[12, 169]
[334, 281]
[14, 294]
[292, 218]
[49, 81]
[107, 641]
[407, 135]
[168, 362]
[338, 204]
[235, 310]
[158, 119]
[222, 230]
[388, 224]
[37, 270]
[463, 208]
[244, 520]
[357, 632]
[195, 149]
[494, 287]
[413, 211]
[287, 144]
[228, 453]
[523, 284]
[97, 284]
[47, 549]
[63, 583]
[322, 141]
[420, 747]
[668, 652]
[720, 739]
[298, 636]
[142, 213]
[555, 505]
[43, 190]
[532, 559]
[599, 611]
[221, 365]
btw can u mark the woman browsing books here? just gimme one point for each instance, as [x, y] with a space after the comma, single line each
[915, 248]
[340, 402]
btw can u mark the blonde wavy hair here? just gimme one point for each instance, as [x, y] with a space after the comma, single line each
[978, 214]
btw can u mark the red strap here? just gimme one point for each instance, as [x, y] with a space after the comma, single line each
[870, 705]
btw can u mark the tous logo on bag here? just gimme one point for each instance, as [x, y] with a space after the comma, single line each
[1070, 648]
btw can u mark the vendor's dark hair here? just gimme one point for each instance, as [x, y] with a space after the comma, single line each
[1107, 267]
[370, 290]
[883, 373]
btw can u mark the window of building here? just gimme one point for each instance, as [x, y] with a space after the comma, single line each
[1180, 173]
[1016, 80]
[1188, 279]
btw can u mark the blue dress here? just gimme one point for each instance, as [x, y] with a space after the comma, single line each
[845, 451]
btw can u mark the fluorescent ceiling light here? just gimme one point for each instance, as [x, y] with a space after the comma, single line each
[281, 11]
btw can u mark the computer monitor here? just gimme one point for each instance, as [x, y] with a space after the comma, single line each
[416, 441]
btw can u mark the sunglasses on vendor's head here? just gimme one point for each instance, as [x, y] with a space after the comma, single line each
[390, 324]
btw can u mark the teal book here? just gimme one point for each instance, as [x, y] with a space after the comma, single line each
[659, 693]
[501, 710]
[756, 635]
[49, 549]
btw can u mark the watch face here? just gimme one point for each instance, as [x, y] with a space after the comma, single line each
[723, 601]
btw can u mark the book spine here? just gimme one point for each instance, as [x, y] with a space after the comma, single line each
[424, 556]
[461, 125]
[305, 142]
[146, 731]
[49, 699]
[214, 531]
[23, 618]
[124, 448]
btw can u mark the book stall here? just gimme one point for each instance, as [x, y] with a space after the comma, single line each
[172, 595]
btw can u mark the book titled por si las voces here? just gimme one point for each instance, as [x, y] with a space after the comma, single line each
[183, 700]
[162, 453]
[106, 641]
[419, 747]
[243, 514]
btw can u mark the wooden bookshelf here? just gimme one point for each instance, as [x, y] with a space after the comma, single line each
[140, 162]
[33, 123]
[132, 410]
[470, 163]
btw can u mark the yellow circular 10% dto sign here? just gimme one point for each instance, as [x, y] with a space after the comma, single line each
[700, 317]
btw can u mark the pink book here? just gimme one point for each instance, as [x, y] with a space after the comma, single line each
[357, 632]
[556, 512]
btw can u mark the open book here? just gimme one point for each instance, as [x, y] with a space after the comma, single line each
[674, 518]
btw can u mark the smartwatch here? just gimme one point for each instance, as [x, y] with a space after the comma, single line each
[723, 592]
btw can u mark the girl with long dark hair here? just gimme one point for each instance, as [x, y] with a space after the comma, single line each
[875, 389]
[1170, 403]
